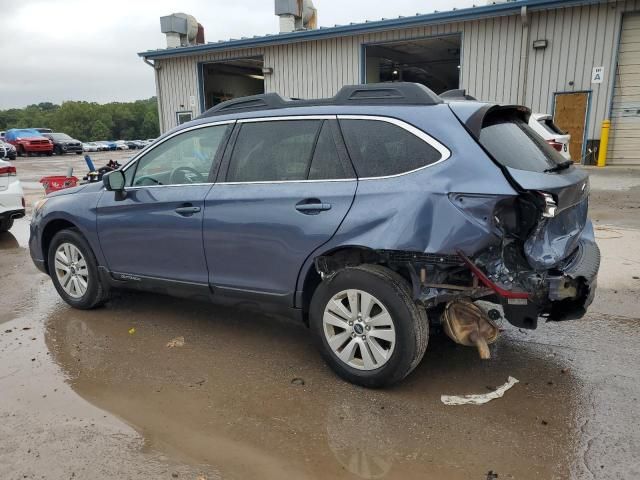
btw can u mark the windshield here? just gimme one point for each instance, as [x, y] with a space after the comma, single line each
[22, 132]
[513, 143]
[60, 136]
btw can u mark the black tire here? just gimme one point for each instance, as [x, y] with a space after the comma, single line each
[78, 153]
[21, 151]
[6, 224]
[96, 293]
[49, 154]
[409, 320]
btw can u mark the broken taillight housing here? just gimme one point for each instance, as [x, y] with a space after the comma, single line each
[7, 171]
[556, 145]
[550, 206]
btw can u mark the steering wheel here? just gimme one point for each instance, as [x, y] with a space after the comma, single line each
[179, 176]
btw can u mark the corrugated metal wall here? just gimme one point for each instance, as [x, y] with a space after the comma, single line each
[498, 63]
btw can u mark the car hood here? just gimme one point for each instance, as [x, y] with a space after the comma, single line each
[86, 188]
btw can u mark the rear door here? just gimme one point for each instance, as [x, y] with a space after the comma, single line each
[285, 188]
[154, 230]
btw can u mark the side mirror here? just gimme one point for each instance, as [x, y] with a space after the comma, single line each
[114, 181]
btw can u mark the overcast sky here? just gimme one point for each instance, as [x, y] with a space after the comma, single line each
[57, 50]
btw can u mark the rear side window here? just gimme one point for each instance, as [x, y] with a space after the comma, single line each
[326, 164]
[379, 148]
[273, 151]
[551, 127]
[513, 143]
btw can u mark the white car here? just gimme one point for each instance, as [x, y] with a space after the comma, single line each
[89, 147]
[121, 145]
[542, 124]
[11, 196]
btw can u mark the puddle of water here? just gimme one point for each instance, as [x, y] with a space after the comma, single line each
[226, 398]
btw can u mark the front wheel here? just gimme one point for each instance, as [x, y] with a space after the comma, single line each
[369, 329]
[74, 270]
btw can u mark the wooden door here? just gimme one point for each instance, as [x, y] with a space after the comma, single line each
[571, 116]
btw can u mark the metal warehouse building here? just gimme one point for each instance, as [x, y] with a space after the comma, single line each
[579, 60]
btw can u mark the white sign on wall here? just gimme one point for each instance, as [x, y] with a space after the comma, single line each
[598, 75]
[192, 101]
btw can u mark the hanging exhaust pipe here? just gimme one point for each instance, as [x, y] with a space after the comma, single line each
[467, 324]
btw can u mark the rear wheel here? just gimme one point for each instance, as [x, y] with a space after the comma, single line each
[369, 329]
[6, 224]
[21, 151]
[74, 270]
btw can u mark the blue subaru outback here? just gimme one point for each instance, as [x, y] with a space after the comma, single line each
[367, 215]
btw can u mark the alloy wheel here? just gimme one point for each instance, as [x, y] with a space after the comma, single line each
[359, 329]
[71, 270]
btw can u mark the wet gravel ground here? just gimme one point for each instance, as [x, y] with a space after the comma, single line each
[100, 394]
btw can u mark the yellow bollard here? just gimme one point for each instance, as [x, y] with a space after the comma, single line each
[604, 143]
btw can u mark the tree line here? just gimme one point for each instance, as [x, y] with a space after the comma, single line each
[89, 121]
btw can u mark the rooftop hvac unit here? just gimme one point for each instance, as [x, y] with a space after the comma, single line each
[181, 29]
[296, 15]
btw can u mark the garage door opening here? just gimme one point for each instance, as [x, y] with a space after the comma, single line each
[223, 81]
[433, 62]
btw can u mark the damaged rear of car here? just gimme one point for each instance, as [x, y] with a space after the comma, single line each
[503, 221]
[547, 261]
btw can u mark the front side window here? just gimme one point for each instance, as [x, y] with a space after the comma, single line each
[379, 149]
[184, 159]
[273, 151]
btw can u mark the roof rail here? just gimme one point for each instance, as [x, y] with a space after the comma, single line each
[400, 93]
[459, 94]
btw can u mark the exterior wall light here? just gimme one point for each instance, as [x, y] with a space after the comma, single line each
[540, 44]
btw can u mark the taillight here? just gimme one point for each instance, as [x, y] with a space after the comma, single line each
[557, 145]
[7, 171]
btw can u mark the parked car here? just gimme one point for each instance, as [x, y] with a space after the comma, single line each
[121, 145]
[44, 130]
[102, 146]
[543, 125]
[29, 141]
[131, 145]
[89, 147]
[140, 143]
[108, 146]
[365, 216]
[7, 151]
[63, 143]
[11, 196]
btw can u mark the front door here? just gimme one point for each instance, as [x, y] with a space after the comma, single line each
[154, 230]
[571, 116]
[288, 186]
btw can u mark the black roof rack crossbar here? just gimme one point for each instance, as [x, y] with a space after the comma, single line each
[371, 94]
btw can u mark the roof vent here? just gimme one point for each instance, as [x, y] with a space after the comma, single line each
[181, 30]
[296, 15]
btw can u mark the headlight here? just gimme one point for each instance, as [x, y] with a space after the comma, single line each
[39, 204]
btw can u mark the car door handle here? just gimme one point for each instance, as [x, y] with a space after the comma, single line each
[309, 208]
[187, 211]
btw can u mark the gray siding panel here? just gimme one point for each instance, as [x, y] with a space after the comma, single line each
[498, 61]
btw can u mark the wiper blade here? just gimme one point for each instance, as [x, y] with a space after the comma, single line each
[561, 166]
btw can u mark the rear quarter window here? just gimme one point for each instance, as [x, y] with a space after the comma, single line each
[378, 148]
[513, 143]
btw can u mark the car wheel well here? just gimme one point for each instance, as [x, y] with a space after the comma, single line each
[49, 232]
[328, 264]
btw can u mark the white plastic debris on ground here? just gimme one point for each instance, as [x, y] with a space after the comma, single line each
[479, 399]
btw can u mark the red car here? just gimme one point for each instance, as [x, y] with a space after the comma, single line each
[28, 141]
